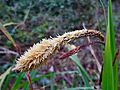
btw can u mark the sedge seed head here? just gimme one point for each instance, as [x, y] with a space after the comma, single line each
[40, 53]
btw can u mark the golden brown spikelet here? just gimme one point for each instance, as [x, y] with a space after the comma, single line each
[40, 53]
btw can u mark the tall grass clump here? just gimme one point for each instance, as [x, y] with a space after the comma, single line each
[110, 71]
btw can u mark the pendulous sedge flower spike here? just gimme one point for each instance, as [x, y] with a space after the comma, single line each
[40, 53]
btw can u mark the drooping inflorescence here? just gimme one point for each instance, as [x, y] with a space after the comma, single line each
[41, 52]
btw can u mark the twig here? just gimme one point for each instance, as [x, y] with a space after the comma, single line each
[73, 51]
[93, 52]
[7, 51]
[115, 57]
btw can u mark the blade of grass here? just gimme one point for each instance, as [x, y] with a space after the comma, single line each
[3, 29]
[110, 74]
[7, 34]
[5, 86]
[18, 81]
[103, 6]
[3, 76]
[80, 88]
[52, 81]
[85, 76]
[9, 24]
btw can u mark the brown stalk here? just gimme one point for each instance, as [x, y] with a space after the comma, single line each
[73, 51]
[29, 80]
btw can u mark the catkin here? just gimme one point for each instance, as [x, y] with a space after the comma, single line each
[40, 53]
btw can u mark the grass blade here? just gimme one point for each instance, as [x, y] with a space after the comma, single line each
[18, 81]
[110, 73]
[3, 29]
[3, 76]
[9, 24]
[86, 78]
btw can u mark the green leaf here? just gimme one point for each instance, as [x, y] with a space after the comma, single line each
[86, 78]
[110, 72]
[3, 76]
[18, 81]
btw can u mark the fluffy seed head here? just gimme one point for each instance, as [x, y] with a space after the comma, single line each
[40, 53]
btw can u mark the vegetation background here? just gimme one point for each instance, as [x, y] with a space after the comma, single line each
[25, 22]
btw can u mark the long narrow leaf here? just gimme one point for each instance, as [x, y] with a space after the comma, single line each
[110, 73]
[86, 78]
[18, 81]
[3, 76]
[3, 29]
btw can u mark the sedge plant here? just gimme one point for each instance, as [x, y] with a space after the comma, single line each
[110, 71]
